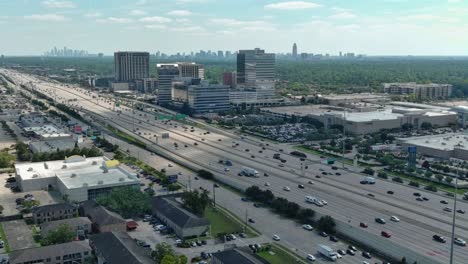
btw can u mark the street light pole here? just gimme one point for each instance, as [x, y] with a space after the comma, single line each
[453, 217]
[344, 137]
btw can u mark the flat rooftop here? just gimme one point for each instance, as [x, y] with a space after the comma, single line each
[371, 116]
[445, 142]
[355, 96]
[77, 172]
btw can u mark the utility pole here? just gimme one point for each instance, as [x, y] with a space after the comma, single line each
[453, 217]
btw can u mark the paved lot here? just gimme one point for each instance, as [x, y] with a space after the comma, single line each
[7, 197]
[19, 234]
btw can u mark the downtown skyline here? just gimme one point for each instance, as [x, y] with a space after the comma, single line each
[385, 27]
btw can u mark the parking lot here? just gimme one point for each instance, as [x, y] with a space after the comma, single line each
[146, 233]
[8, 197]
[18, 234]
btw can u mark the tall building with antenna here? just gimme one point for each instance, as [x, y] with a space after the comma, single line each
[294, 50]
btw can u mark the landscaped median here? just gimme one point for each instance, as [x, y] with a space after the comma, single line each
[126, 137]
[277, 254]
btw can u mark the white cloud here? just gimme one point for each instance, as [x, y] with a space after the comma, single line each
[155, 19]
[137, 12]
[179, 13]
[182, 20]
[189, 29]
[343, 15]
[58, 4]
[93, 14]
[292, 5]
[116, 20]
[46, 17]
[243, 25]
[155, 26]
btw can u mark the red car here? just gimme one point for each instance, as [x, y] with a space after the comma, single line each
[386, 234]
[364, 225]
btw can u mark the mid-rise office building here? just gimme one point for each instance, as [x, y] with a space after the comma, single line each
[206, 97]
[229, 78]
[254, 66]
[420, 91]
[166, 73]
[191, 69]
[180, 87]
[131, 66]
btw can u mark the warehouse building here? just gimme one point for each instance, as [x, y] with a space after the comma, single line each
[444, 146]
[76, 178]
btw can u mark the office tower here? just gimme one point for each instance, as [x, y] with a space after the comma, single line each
[220, 54]
[255, 67]
[208, 98]
[131, 66]
[341, 54]
[191, 69]
[166, 73]
[229, 78]
[294, 50]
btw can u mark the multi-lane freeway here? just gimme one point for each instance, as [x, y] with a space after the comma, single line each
[347, 200]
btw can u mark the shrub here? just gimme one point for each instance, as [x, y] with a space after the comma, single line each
[414, 184]
[397, 179]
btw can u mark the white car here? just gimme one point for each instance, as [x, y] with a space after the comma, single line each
[276, 238]
[365, 262]
[310, 257]
[338, 255]
[459, 241]
[394, 218]
[324, 202]
[226, 169]
[267, 184]
[169, 165]
[286, 188]
[307, 227]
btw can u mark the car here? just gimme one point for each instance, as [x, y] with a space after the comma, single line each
[363, 225]
[380, 221]
[281, 165]
[170, 165]
[390, 192]
[300, 186]
[425, 199]
[193, 244]
[459, 241]
[363, 182]
[448, 209]
[243, 235]
[252, 156]
[443, 202]
[276, 238]
[337, 174]
[394, 218]
[307, 227]
[370, 195]
[318, 176]
[439, 238]
[338, 256]
[333, 238]
[247, 150]
[324, 173]
[341, 252]
[216, 185]
[244, 199]
[310, 182]
[267, 184]
[420, 199]
[310, 257]
[286, 188]
[226, 169]
[178, 241]
[365, 262]
[353, 248]
[366, 254]
[416, 194]
[251, 221]
[323, 234]
[324, 202]
[460, 211]
[350, 252]
[199, 243]
[386, 234]
[266, 174]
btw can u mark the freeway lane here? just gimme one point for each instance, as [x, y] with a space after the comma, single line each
[278, 182]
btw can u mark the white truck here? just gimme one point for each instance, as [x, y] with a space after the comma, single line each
[327, 252]
[249, 172]
[370, 180]
[314, 200]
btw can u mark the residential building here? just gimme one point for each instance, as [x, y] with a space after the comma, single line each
[206, 97]
[53, 212]
[131, 66]
[229, 79]
[235, 256]
[117, 248]
[419, 91]
[80, 225]
[67, 253]
[102, 219]
[191, 69]
[183, 222]
[76, 178]
[294, 50]
[166, 73]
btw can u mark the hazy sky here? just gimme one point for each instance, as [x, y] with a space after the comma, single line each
[373, 27]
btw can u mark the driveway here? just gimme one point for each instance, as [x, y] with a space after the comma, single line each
[18, 234]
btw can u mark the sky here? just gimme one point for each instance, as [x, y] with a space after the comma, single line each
[372, 27]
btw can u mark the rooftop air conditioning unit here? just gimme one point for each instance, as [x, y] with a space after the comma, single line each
[46, 166]
[64, 166]
[121, 179]
[30, 169]
[35, 176]
[100, 182]
[94, 163]
[73, 175]
[443, 143]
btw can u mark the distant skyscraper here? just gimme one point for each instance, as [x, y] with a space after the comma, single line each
[254, 66]
[131, 66]
[220, 54]
[191, 69]
[294, 50]
[166, 73]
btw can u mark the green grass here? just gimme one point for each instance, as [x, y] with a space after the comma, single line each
[221, 222]
[126, 137]
[281, 256]
[3, 237]
[440, 186]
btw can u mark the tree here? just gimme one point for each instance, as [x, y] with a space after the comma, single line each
[195, 201]
[64, 233]
[1, 209]
[305, 215]
[428, 174]
[326, 224]
[6, 159]
[160, 251]
[369, 171]
[448, 179]
[168, 259]
[426, 125]
[439, 177]
[126, 201]
[205, 174]
[403, 261]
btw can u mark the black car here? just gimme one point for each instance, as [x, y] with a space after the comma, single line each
[338, 174]
[390, 192]
[324, 173]
[216, 185]
[370, 195]
[438, 238]
[251, 221]
[300, 186]
[333, 238]
[318, 176]
[324, 234]
[443, 202]
[353, 248]
[350, 252]
[380, 221]
[417, 194]
[366, 254]
[460, 211]
[363, 182]
[425, 199]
